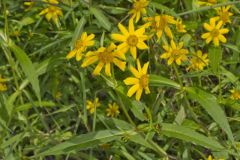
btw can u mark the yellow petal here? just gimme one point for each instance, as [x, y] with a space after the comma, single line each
[222, 38]
[133, 51]
[145, 68]
[123, 29]
[208, 40]
[119, 64]
[98, 69]
[138, 94]
[141, 45]
[108, 69]
[71, 54]
[215, 41]
[90, 37]
[131, 26]
[147, 90]
[131, 81]
[89, 61]
[170, 61]
[219, 25]
[118, 37]
[134, 72]
[205, 35]
[132, 90]
[78, 56]
[173, 45]
[207, 27]
[168, 32]
[223, 31]
[140, 31]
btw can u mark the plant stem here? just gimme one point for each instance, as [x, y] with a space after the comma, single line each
[207, 8]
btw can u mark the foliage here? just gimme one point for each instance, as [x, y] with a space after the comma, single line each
[115, 79]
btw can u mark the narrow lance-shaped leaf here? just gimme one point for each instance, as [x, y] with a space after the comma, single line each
[85, 141]
[186, 134]
[156, 80]
[102, 19]
[209, 103]
[27, 67]
[215, 57]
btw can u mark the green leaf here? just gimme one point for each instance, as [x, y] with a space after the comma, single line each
[10, 102]
[27, 67]
[209, 103]
[186, 134]
[102, 19]
[78, 30]
[156, 80]
[215, 58]
[85, 141]
[137, 109]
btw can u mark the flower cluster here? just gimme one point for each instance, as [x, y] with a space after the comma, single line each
[3, 86]
[111, 111]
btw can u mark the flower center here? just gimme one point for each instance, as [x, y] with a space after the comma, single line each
[105, 57]
[224, 16]
[138, 6]
[52, 9]
[80, 44]
[215, 32]
[144, 81]
[132, 40]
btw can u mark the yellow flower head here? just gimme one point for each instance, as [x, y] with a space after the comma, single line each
[138, 9]
[160, 24]
[52, 11]
[139, 81]
[81, 46]
[105, 56]
[3, 86]
[235, 94]
[174, 52]
[130, 39]
[224, 15]
[180, 27]
[207, 2]
[112, 110]
[215, 32]
[92, 105]
[199, 61]
[211, 158]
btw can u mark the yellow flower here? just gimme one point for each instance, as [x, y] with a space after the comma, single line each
[207, 2]
[112, 110]
[215, 33]
[105, 56]
[138, 9]
[81, 46]
[52, 11]
[92, 105]
[199, 61]
[224, 15]
[139, 81]
[130, 39]
[3, 86]
[235, 94]
[174, 53]
[180, 27]
[211, 158]
[160, 24]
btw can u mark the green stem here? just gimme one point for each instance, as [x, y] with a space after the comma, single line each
[194, 116]
[207, 8]
[125, 110]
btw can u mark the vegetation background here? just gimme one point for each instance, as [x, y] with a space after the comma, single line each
[53, 108]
